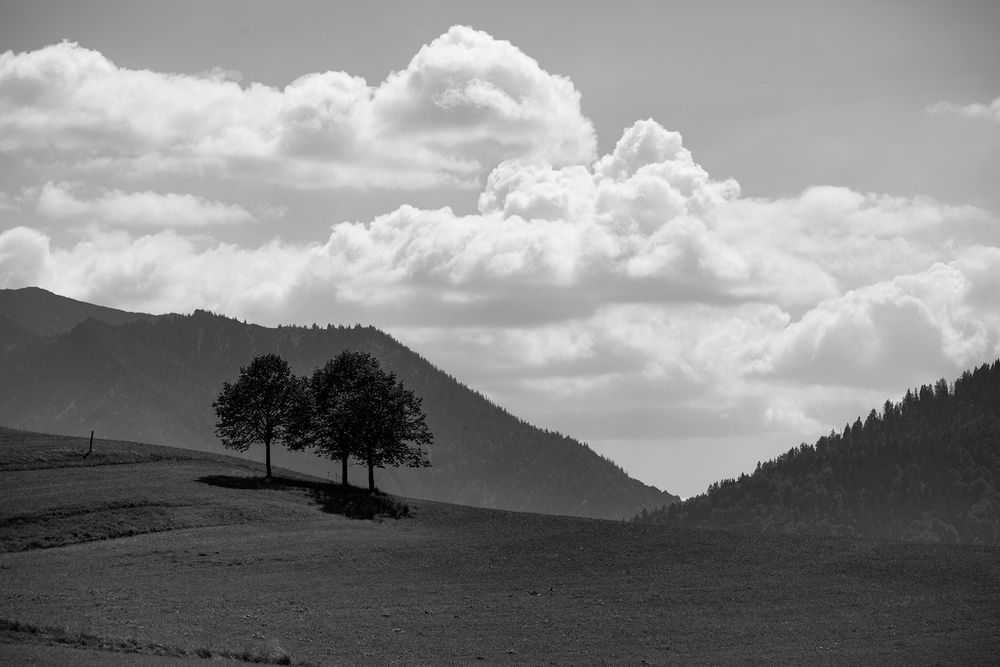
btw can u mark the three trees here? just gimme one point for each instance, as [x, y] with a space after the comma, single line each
[349, 408]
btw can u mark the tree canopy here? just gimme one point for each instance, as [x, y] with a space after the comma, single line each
[397, 428]
[336, 421]
[361, 411]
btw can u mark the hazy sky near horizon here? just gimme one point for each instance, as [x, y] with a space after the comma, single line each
[689, 234]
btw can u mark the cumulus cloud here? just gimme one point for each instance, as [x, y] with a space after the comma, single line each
[921, 325]
[115, 207]
[464, 102]
[25, 258]
[989, 111]
[646, 224]
[830, 239]
[466, 89]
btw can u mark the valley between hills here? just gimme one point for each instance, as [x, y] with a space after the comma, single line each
[137, 554]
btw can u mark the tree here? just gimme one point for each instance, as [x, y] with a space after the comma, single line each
[397, 430]
[336, 421]
[267, 404]
[361, 411]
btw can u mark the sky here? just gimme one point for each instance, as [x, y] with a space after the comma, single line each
[691, 235]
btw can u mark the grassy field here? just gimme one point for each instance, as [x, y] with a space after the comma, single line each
[141, 553]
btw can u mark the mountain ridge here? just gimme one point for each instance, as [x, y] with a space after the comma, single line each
[45, 313]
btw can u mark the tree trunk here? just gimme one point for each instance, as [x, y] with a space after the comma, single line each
[343, 469]
[267, 457]
[371, 469]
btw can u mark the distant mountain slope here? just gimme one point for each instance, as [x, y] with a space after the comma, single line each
[12, 333]
[154, 380]
[924, 469]
[44, 313]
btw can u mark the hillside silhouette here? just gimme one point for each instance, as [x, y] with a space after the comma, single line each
[148, 378]
[924, 469]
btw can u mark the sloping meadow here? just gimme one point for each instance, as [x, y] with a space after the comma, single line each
[223, 565]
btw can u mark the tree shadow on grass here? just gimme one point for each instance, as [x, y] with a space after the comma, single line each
[349, 501]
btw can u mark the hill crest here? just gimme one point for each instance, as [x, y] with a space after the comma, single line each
[44, 313]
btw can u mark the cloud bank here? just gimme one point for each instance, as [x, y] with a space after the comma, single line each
[146, 208]
[465, 102]
[638, 273]
[990, 111]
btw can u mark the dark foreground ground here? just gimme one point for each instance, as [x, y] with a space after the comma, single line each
[241, 571]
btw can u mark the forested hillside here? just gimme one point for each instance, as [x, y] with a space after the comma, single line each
[924, 469]
[153, 379]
